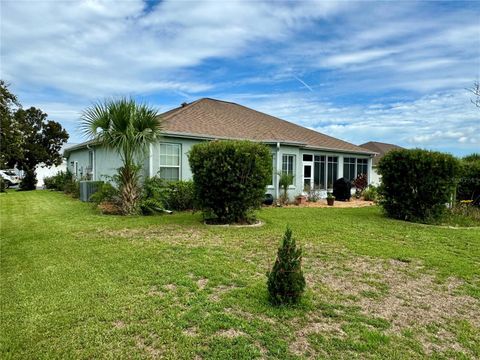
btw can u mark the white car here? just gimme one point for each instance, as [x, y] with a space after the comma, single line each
[10, 178]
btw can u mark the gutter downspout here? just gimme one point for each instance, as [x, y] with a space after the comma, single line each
[150, 160]
[93, 161]
[277, 168]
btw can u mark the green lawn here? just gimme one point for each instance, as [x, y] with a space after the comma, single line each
[77, 284]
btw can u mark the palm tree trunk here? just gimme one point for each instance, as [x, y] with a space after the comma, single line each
[129, 189]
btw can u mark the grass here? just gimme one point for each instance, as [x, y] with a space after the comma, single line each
[77, 284]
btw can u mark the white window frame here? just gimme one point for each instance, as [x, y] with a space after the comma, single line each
[312, 168]
[179, 166]
[294, 156]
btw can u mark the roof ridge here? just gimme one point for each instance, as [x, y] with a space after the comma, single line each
[179, 109]
[289, 122]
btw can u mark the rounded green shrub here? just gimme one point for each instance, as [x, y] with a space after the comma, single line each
[180, 195]
[469, 184]
[417, 184]
[286, 282]
[230, 178]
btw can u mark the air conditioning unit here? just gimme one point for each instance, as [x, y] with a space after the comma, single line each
[87, 188]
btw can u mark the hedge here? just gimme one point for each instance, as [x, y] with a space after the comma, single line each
[230, 178]
[417, 184]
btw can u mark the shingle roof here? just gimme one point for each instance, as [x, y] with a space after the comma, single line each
[380, 148]
[226, 120]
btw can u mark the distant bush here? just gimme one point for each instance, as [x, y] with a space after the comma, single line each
[72, 188]
[312, 194]
[342, 189]
[370, 193]
[286, 282]
[180, 196]
[230, 178]
[285, 180]
[29, 181]
[153, 196]
[417, 184]
[57, 182]
[360, 183]
[469, 184]
[105, 192]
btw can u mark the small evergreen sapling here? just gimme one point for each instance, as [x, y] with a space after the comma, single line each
[286, 283]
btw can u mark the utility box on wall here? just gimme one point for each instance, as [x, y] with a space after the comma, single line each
[87, 188]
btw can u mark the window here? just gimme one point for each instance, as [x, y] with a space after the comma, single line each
[170, 161]
[349, 168]
[332, 171]
[274, 168]
[288, 165]
[307, 157]
[362, 166]
[319, 172]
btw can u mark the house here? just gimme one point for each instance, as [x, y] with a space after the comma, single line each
[381, 149]
[316, 160]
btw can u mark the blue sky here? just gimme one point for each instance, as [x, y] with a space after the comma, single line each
[384, 71]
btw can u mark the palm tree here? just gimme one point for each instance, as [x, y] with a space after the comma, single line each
[128, 128]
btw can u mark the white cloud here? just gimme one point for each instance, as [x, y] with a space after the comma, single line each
[100, 48]
[440, 120]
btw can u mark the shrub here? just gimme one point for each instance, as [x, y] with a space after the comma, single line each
[180, 196]
[105, 192]
[360, 183]
[29, 181]
[342, 189]
[416, 184]
[57, 182]
[72, 187]
[284, 182]
[286, 283]
[230, 178]
[312, 194]
[370, 193]
[469, 184]
[153, 196]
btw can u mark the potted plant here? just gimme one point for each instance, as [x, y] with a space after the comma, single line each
[301, 199]
[330, 199]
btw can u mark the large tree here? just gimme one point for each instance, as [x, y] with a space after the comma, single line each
[11, 140]
[475, 90]
[128, 128]
[28, 138]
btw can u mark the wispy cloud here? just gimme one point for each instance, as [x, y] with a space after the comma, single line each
[390, 71]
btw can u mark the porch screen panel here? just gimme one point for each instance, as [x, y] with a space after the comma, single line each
[349, 168]
[362, 166]
[319, 172]
[170, 161]
[332, 170]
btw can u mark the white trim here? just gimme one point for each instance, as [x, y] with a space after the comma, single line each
[150, 161]
[179, 166]
[277, 170]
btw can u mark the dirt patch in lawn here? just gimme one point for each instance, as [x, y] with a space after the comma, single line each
[201, 283]
[220, 290]
[316, 325]
[151, 351]
[401, 292]
[173, 234]
[230, 333]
